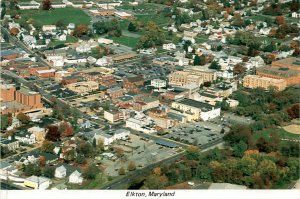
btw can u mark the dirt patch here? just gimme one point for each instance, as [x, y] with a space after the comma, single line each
[295, 129]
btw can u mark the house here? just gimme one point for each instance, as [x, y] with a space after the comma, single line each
[158, 83]
[76, 177]
[169, 46]
[61, 37]
[11, 143]
[48, 28]
[37, 182]
[295, 15]
[29, 6]
[105, 41]
[60, 172]
[39, 133]
[104, 61]
[25, 137]
[123, 15]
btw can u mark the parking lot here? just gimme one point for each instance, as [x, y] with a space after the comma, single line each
[141, 151]
[199, 133]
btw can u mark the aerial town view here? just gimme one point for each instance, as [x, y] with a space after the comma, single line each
[150, 94]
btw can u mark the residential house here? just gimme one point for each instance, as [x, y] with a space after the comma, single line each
[60, 172]
[11, 144]
[169, 46]
[25, 137]
[76, 178]
[39, 133]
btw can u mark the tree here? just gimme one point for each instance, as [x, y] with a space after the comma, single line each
[32, 169]
[152, 38]
[61, 23]
[263, 145]
[294, 7]
[239, 149]
[3, 12]
[294, 111]
[119, 151]
[4, 122]
[239, 133]
[214, 65]
[86, 149]
[279, 20]
[131, 166]
[155, 182]
[14, 31]
[122, 171]
[46, 5]
[239, 69]
[52, 133]
[23, 118]
[80, 30]
[197, 60]
[42, 161]
[47, 146]
[80, 159]
[90, 172]
[65, 129]
[69, 155]
[132, 27]
[49, 171]
[192, 153]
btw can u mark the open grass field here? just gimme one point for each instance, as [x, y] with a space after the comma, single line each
[70, 39]
[70, 15]
[201, 39]
[126, 41]
[281, 132]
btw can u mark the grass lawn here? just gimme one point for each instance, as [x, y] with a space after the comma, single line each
[281, 132]
[158, 19]
[126, 41]
[142, 7]
[70, 15]
[70, 39]
[201, 39]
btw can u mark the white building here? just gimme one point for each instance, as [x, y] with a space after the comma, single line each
[105, 41]
[141, 123]
[75, 177]
[24, 137]
[158, 83]
[29, 6]
[295, 15]
[36, 182]
[196, 109]
[48, 28]
[169, 46]
[60, 172]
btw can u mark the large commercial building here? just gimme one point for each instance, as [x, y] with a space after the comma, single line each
[181, 78]
[291, 63]
[291, 76]
[82, 87]
[255, 81]
[196, 110]
[18, 100]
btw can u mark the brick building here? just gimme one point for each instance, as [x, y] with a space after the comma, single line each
[133, 82]
[254, 81]
[291, 76]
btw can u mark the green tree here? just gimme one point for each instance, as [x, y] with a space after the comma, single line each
[32, 169]
[215, 65]
[155, 182]
[239, 149]
[49, 171]
[197, 60]
[90, 172]
[47, 146]
[4, 122]
[132, 27]
[23, 118]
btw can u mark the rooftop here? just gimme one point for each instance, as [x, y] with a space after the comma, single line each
[193, 103]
